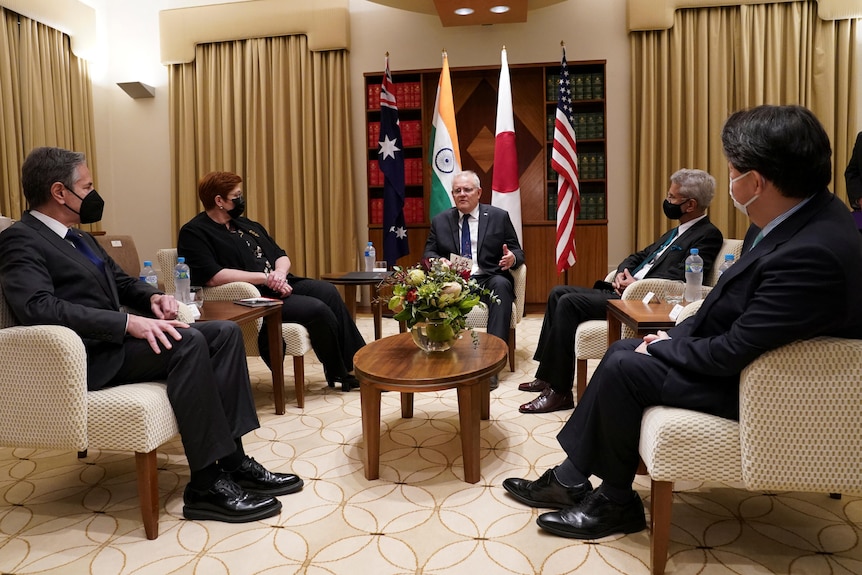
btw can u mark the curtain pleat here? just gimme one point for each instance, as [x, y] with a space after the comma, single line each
[45, 100]
[278, 115]
[713, 61]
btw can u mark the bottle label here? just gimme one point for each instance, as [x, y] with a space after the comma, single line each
[182, 275]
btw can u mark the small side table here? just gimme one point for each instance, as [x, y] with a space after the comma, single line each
[642, 318]
[350, 281]
[271, 314]
[394, 363]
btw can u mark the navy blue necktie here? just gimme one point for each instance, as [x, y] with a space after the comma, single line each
[466, 247]
[81, 245]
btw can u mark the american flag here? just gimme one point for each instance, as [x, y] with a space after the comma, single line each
[564, 161]
[391, 160]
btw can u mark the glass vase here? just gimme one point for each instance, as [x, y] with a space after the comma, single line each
[433, 335]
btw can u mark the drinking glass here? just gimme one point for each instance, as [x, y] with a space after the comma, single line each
[674, 291]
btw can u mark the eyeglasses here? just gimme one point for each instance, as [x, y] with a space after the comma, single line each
[671, 199]
[458, 191]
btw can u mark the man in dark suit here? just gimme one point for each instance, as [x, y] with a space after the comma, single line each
[53, 274]
[490, 240]
[690, 194]
[853, 175]
[802, 244]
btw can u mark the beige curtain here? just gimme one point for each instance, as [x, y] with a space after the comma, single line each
[45, 100]
[713, 61]
[278, 115]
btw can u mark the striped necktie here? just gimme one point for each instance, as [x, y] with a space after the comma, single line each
[652, 257]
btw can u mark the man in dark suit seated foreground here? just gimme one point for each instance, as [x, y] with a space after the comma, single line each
[801, 245]
[688, 197]
[53, 274]
[489, 239]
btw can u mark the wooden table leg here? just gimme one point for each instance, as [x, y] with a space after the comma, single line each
[350, 299]
[485, 397]
[615, 328]
[370, 400]
[377, 310]
[276, 358]
[406, 405]
[469, 400]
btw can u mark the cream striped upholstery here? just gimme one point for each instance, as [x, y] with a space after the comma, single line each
[478, 316]
[591, 337]
[296, 338]
[800, 408]
[43, 383]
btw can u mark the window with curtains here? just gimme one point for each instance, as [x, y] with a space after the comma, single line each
[277, 114]
[45, 100]
[686, 80]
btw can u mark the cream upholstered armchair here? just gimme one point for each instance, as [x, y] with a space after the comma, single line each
[591, 337]
[478, 316]
[798, 430]
[296, 338]
[46, 405]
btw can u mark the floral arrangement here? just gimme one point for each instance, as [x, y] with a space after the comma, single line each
[436, 290]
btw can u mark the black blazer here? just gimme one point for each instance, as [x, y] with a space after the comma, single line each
[495, 229]
[801, 281]
[853, 174]
[46, 280]
[671, 265]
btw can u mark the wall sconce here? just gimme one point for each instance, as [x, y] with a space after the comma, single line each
[137, 89]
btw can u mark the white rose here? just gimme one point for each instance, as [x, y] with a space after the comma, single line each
[449, 293]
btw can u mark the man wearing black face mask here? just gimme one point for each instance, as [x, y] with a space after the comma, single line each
[53, 274]
[689, 196]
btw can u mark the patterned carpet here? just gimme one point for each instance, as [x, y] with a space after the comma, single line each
[62, 515]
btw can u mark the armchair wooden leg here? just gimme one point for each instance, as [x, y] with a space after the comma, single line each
[148, 491]
[511, 349]
[299, 379]
[661, 500]
[581, 378]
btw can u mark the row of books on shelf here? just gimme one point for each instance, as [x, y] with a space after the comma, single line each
[591, 166]
[414, 211]
[411, 133]
[407, 95]
[412, 172]
[584, 86]
[592, 205]
[588, 125]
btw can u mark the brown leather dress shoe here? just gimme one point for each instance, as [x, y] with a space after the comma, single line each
[535, 385]
[549, 401]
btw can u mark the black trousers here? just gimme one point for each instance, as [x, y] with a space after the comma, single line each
[567, 307]
[499, 316]
[318, 306]
[601, 437]
[207, 384]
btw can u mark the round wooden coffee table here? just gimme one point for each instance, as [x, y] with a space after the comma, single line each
[395, 364]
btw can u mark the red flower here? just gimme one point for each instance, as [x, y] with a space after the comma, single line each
[411, 295]
[465, 274]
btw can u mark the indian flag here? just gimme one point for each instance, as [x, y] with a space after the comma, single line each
[445, 156]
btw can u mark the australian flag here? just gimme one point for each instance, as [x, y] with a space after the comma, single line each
[391, 161]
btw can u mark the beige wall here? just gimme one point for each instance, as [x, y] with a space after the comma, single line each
[132, 135]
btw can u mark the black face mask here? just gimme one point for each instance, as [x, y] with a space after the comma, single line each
[237, 209]
[672, 211]
[92, 206]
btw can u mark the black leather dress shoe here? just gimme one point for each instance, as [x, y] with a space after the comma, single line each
[549, 401]
[348, 382]
[495, 382]
[535, 385]
[255, 478]
[596, 517]
[227, 501]
[546, 491]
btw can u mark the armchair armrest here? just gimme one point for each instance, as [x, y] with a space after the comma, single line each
[800, 413]
[43, 383]
[230, 291]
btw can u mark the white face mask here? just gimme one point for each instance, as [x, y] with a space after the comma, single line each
[740, 206]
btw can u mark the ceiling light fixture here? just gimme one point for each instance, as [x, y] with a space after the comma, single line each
[499, 9]
[464, 11]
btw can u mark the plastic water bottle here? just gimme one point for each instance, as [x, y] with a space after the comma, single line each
[182, 281]
[148, 274]
[693, 276]
[728, 261]
[370, 256]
